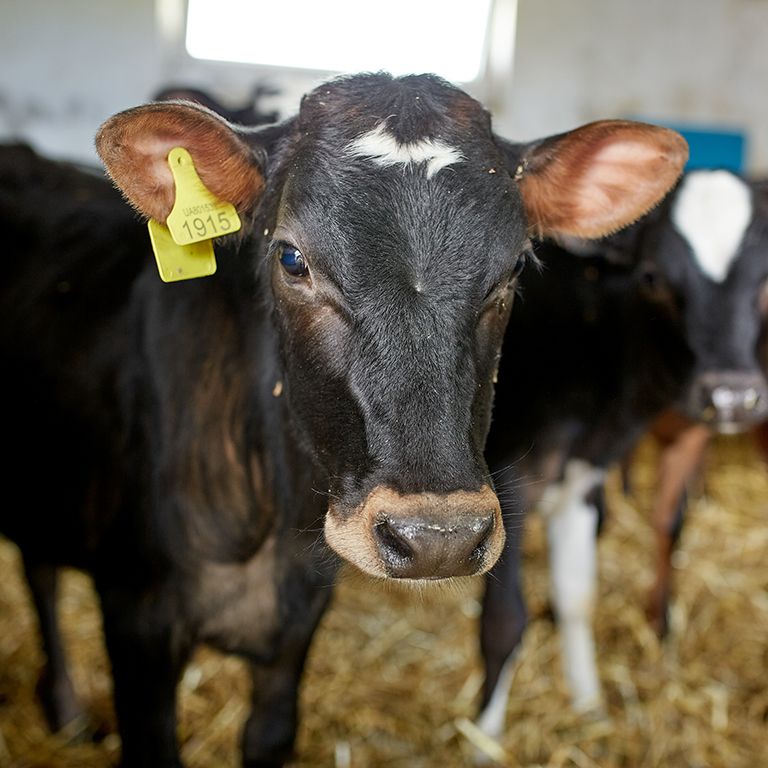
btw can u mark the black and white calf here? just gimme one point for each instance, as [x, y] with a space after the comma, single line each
[668, 312]
[338, 367]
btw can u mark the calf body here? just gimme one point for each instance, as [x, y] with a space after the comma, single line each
[669, 312]
[248, 114]
[337, 370]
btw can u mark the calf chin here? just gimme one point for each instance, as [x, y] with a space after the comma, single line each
[419, 536]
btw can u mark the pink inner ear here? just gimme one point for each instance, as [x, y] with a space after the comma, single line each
[134, 146]
[150, 158]
[600, 178]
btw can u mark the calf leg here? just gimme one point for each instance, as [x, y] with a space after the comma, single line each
[760, 434]
[146, 663]
[502, 623]
[55, 689]
[572, 533]
[680, 459]
[270, 730]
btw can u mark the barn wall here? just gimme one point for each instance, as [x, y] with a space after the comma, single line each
[684, 61]
[65, 66]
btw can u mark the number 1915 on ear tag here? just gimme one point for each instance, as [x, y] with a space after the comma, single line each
[180, 262]
[197, 213]
[184, 248]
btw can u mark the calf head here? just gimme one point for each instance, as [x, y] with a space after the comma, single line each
[704, 260]
[397, 224]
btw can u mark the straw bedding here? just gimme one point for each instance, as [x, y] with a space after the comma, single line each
[394, 674]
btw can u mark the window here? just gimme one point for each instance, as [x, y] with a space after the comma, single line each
[447, 37]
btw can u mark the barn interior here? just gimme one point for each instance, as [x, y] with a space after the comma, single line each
[394, 674]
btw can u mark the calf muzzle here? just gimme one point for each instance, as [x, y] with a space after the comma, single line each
[729, 401]
[421, 535]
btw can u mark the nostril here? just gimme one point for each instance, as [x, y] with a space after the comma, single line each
[485, 529]
[391, 545]
[751, 399]
[723, 398]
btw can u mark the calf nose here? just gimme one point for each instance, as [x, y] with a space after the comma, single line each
[421, 548]
[419, 535]
[730, 401]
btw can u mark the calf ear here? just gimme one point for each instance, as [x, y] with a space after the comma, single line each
[134, 146]
[596, 179]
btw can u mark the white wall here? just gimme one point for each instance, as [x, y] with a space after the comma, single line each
[670, 60]
[65, 65]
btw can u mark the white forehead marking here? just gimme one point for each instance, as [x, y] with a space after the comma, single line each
[712, 211]
[384, 149]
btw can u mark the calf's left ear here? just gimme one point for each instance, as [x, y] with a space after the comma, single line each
[134, 147]
[596, 179]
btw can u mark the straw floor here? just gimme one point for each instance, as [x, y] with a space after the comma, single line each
[394, 674]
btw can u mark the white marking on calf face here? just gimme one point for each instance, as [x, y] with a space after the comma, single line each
[712, 211]
[572, 534]
[384, 149]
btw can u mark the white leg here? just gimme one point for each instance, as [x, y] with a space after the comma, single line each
[572, 530]
[491, 719]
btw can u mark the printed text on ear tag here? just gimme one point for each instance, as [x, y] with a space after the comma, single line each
[197, 214]
[180, 262]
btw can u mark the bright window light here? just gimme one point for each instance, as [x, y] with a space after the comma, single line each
[400, 36]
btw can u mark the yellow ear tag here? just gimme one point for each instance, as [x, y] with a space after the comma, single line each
[197, 214]
[180, 262]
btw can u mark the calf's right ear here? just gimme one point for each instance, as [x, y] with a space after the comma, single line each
[134, 147]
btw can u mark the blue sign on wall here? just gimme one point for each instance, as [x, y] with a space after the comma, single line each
[714, 148]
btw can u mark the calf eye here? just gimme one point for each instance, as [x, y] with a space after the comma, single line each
[498, 293]
[519, 266]
[522, 260]
[292, 261]
[651, 282]
[649, 278]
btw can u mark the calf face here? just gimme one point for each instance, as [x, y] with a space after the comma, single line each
[705, 262]
[394, 226]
